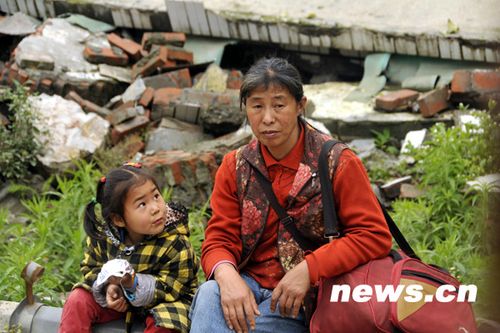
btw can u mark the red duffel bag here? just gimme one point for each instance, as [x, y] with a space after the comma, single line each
[411, 312]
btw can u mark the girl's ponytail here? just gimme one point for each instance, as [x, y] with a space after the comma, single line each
[90, 221]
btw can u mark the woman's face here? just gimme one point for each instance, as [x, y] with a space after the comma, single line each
[273, 116]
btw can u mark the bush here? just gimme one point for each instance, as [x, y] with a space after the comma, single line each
[18, 144]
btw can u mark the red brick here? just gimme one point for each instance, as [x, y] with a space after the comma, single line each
[178, 54]
[102, 55]
[128, 127]
[130, 47]
[22, 76]
[234, 79]
[162, 38]
[396, 100]
[181, 77]
[45, 86]
[433, 101]
[147, 97]
[134, 147]
[149, 64]
[163, 102]
[461, 82]
[13, 74]
[484, 81]
[73, 96]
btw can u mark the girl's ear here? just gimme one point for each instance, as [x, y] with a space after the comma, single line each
[118, 220]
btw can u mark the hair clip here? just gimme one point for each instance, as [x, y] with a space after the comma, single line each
[103, 179]
[133, 164]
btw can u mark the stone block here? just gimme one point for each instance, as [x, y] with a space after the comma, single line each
[89, 106]
[396, 100]
[433, 101]
[35, 61]
[124, 112]
[392, 189]
[188, 112]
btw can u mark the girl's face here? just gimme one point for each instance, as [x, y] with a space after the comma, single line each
[143, 212]
[273, 116]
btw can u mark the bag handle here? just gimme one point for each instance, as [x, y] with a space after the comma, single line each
[287, 221]
[330, 213]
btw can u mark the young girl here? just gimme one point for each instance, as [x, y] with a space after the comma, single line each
[138, 260]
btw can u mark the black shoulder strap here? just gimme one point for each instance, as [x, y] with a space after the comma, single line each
[287, 220]
[330, 214]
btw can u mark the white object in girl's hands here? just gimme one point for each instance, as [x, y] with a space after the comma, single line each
[114, 267]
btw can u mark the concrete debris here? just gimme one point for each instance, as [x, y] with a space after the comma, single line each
[122, 74]
[414, 139]
[134, 91]
[88, 23]
[174, 134]
[363, 147]
[392, 189]
[489, 183]
[18, 24]
[66, 132]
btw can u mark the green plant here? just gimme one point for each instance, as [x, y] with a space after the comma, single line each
[197, 223]
[384, 141]
[18, 144]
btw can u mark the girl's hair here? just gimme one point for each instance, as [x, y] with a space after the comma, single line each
[111, 193]
[269, 71]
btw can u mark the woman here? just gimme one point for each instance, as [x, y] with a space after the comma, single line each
[258, 276]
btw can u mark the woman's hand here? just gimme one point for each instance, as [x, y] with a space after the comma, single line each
[115, 299]
[291, 290]
[237, 300]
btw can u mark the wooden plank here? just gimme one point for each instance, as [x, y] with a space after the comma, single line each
[12, 6]
[136, 18]
[315, 41]
[32, 8]
[4, 6]
[243, 29]
[467, 53]
[21, 4]
[213, 23]
[405, 45]
[127, 20]
[455, 49]
[444, 48]
[274, 34]
[362, 40]
[283, 33]
[479, 54]
[233, 29]
[427, 46]
[263, 32]
[223, 26]
[294, 35]
[49, 6]
[326, 42]
[195, 25]
[342, 41]
[40, 7]
[253, 31]
[490, 55]
[117, 17]
[201, 17]
[146, 20]
[383, 43]
[178, 17]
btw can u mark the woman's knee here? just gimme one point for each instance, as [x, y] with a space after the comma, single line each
[208, 291]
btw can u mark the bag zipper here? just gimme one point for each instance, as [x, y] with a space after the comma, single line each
[408, 272]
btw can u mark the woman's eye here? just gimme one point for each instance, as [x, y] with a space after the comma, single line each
[279, 106]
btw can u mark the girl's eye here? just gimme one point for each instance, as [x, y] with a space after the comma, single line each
[142, 204]
[157, 196]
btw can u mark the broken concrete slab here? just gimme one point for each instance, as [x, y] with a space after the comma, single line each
[392, 189]
[489, 183]
[18, 24]
[222, 116]
[351, 120]
[88, 23]
[66, 131]
[363, 147]
[134, 91]
[122, 74]
[413, 139]
[174, 134]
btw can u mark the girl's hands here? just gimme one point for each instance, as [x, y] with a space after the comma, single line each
[115, 299]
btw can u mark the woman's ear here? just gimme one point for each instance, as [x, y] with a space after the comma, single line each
[118, 220]
[302, 105]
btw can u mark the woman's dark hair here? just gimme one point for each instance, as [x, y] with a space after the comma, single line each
[111, 193]
[269, 71]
